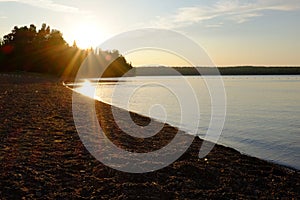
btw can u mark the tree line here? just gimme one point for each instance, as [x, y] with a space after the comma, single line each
[46, 51]
[197, 71]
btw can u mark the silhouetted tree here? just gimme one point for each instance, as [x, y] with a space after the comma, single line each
[46, 51]
[74, 45]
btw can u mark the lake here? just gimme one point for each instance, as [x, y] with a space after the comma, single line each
[262, 112]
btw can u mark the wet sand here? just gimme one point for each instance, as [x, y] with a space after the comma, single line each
[43, 157]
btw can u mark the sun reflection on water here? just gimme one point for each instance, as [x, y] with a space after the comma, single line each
[87, 88]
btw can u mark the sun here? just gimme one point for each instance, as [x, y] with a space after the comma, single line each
[88, 35]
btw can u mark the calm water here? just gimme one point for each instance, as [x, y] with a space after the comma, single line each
[262, 117]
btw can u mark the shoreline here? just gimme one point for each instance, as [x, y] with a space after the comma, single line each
[223, 145]
[43, 156]
[69, 86]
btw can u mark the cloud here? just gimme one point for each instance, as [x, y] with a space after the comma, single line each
[48, 4]
[218, 25]
[237, 11]
[244, 17]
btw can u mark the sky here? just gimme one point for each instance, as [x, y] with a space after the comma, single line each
[232, 32]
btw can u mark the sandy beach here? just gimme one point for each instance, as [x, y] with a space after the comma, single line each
[42, 156]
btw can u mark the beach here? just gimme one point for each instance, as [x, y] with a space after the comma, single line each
[43, 157]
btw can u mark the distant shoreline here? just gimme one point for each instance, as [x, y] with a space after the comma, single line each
[238, 70]
[185, 71]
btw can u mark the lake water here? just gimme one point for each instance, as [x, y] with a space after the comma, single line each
[262, 112]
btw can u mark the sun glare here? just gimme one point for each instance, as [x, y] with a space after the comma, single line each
[88, 35]
[87, 89]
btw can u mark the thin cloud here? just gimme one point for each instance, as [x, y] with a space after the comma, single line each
[48, 4]
[214, 25]
[244, 17]
[237, 11]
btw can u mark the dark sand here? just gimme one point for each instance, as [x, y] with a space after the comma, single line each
[43, 157]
